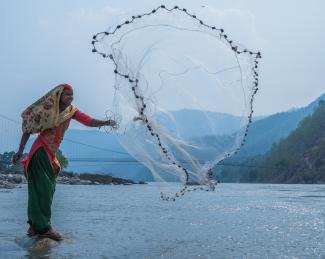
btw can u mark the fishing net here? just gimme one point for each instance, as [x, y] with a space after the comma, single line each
[184, 94]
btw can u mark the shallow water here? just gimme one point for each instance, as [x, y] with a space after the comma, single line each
[236, 221]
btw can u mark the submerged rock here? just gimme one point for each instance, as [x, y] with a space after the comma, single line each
[36, 244]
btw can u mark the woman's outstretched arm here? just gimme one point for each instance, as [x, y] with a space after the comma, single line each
[90, 122]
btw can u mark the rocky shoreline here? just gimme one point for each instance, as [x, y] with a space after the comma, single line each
[11, 181]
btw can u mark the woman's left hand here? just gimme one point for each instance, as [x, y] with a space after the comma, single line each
[111, 123]
[17, 157]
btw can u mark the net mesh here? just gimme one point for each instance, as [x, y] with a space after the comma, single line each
[184, 94]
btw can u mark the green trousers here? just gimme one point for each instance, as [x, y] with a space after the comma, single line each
[41, 188]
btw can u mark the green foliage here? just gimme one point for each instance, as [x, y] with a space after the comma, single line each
[62, 159]
[300, 158]
[2, 167]
[6, 165]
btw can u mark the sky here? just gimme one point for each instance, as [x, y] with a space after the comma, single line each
[45, 43]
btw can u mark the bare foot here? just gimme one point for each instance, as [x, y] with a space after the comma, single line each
[31, 232]
[52, 234]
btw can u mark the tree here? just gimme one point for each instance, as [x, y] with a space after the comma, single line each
[6, 163]
[62, 159]
[7, 166]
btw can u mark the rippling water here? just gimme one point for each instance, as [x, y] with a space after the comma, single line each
[236, 221]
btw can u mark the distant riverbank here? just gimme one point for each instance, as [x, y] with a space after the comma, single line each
[10, 181]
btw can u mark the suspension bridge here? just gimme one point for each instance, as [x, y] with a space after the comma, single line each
[81, 154]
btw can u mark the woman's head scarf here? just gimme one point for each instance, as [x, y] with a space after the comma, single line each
[45, 112]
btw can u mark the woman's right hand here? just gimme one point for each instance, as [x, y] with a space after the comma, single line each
[17, 157]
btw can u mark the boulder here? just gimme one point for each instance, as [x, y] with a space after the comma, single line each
[7, 185]
[74, 180]
[18, 179]
[86, 182]
[102, 179]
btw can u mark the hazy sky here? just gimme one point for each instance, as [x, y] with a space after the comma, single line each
[44, 43]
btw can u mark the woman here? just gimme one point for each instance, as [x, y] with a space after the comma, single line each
[50, 117]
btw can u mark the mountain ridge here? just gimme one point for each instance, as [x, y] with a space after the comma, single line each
[299, 158]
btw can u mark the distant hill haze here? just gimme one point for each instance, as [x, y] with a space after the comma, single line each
[263, 133]
[190, 124]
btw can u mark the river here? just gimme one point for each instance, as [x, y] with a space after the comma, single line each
[235, 221]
